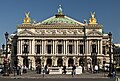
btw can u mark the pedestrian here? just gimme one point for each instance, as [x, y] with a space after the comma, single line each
[113, 72]
[24, 69]
[46, 69]
[14, 69]
[96, 68]
[18, 70]
[64, 69]
[73, 70]
[39, 69]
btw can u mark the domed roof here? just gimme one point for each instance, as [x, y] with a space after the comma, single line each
[60, 19]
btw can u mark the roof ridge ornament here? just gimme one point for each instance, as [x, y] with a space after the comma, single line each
[92, 20]
[60, 9]
[60, 12]
[27, 19]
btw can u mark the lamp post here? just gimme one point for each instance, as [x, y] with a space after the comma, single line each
[84, 40]
[110, 67]
[6, 73]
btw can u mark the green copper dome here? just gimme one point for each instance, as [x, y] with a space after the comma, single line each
[60, 20]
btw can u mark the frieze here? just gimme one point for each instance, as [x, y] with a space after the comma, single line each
[94, 33]
[59, 31]
[25, 33]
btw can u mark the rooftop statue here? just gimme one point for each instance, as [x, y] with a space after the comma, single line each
[60, 9]
[92, 20]
[93, 14]
[27, 19]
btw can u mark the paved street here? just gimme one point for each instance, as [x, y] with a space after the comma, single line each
[32, 74]
[59, 77]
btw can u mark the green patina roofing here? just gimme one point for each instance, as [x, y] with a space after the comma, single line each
[60, 20]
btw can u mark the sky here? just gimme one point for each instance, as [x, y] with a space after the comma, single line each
[12, 13]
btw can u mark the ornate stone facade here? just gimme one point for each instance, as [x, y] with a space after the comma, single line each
[61, 40]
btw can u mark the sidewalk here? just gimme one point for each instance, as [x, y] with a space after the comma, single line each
[34, 75]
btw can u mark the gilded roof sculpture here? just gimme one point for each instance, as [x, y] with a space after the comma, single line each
[93, 20]
[27, 19]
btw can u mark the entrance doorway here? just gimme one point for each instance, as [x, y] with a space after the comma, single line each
[70, 62]
[26, 62]
[60, 62]
[49, 62]
[38, 61]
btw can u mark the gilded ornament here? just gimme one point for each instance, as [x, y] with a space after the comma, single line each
[93, 19]
[27, 19]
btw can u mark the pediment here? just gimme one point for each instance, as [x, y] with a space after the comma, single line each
[94, 33]
[25, 33]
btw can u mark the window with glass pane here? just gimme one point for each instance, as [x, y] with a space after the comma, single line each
[81, 49]
[49, 49]
[70, 49]
[38, 49]
[93, 48]
[59, 49]
[103, 49]
[25, 50]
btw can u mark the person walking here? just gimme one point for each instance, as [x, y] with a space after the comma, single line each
[46, 69]
[73, 70]
[96, 68]
[39, 69]
[64, 69]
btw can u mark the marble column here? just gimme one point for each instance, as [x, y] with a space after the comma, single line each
[87, 47]
[74, 46]
[21, 46]
[45, 47]
[33, 47]
[29, 47]
[18, 47]
[64, 47]
[53, 46]
[77, 48]
[98, 47]
[42, 46]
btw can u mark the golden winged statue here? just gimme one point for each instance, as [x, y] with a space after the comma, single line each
[93, 20]
[27, 19]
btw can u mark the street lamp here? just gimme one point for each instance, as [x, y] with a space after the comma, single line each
[6, 73]
[110, 67]
[84, 39]
[6, 36]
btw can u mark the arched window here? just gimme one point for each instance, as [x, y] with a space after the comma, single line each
[60, 62]
[70, 62]
[93, 48]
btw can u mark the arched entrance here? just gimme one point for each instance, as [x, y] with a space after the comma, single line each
[26, 62]
[49, 62]
[70, 62]
[81, 62]
[38, 61]
[60, 62]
